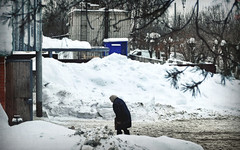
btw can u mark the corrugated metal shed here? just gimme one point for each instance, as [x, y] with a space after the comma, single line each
[89, 25]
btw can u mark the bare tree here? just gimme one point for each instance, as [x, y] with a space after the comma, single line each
[55, 15]
[206, 28]
[210, 26]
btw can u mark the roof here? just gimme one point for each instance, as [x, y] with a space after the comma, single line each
[116, 40]
[98, 10]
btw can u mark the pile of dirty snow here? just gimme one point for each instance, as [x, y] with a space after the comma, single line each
[39, 135]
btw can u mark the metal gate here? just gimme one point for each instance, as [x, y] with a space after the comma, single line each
[19, 104]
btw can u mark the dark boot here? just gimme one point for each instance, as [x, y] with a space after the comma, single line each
[119, 132]
[126, 131]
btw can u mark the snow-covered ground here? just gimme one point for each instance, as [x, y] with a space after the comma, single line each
[41, 135]
[83, 90]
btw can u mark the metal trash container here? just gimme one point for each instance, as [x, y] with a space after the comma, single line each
[117, 45]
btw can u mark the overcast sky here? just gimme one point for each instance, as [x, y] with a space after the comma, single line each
[202, 4]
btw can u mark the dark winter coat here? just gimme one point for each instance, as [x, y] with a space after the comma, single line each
[123, 116]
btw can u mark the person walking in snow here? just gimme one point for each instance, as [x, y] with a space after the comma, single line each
[123, 116]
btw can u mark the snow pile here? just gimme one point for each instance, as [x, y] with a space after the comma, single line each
[64, 43]
[40, 135]
[83, 90]
[37, 135]
[3, 118]
[102, 138]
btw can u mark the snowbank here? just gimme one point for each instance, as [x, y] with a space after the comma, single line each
[3, 118]
[37, 135]
[83, 90]
[40, 135]
[162, 143]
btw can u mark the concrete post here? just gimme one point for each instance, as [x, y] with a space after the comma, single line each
[38, 48]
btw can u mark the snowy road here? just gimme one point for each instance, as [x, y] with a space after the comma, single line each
[209, 133]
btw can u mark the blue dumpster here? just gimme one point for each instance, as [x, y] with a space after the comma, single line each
[116, 45]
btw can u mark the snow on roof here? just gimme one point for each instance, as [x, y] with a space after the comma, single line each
[93, 5]
[98, 10]
[113, 10]
[116, 40]
[64, 43]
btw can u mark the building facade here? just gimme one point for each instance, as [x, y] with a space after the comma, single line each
[94, 25]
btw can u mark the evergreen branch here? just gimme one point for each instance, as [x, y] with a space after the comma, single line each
[173, 76]
[193, 87]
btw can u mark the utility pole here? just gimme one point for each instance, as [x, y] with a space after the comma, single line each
[183, 3]
[106, 23]
[38, 49]
[175, 26]
[175, 15]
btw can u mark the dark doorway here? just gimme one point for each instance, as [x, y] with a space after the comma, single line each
[19, 104]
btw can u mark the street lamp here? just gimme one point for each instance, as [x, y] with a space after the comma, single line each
[215, 44]
[223, 46]
[224, 54]
[183, 3]
[165, 48]
[164, 42]
[223, 43]
[191, 42]
[152, 39]
[170, 40]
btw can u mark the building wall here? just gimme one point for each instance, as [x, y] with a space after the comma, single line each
[96, 33]
[2, 81]
[122, 28]
[93, 31]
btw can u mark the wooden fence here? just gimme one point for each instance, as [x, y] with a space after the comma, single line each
[207, 67]
[144, 59]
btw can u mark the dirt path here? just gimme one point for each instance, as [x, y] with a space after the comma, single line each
[211, 134]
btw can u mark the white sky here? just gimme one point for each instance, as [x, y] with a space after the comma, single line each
[202, 4]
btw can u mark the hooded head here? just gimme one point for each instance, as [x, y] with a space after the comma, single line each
[112, 98]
